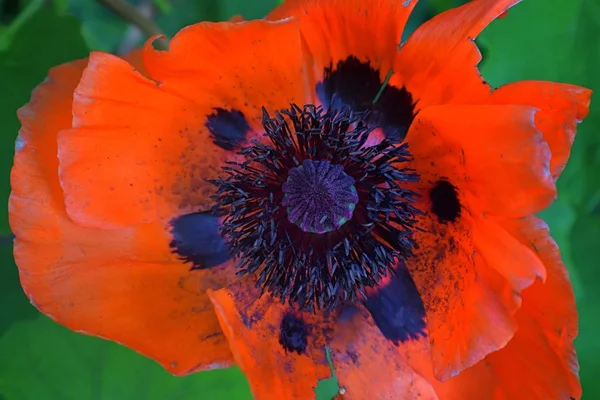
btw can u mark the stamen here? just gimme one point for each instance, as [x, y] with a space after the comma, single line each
[312, 212]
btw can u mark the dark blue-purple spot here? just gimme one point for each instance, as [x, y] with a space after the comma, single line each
[293, 334]
[227, 127]
[444, 201]
[197, 240]
[397, 308]
[357, 84]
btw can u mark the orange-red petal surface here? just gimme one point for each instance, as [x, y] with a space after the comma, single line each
[469, 306]
[437, 64]
[470, 271]
[368, 366]
[140, 150]
[561, 108]
[495, 153]
[123, 285]
[252, 65]
[92, 225]
[333, 31]
[550, 308]
[254, 327]
[539, 362]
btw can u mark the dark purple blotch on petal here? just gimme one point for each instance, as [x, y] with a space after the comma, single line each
[397, 308]
[197, 240]
[293, 334]
[228, 128]
[445, 203]
[357, 84]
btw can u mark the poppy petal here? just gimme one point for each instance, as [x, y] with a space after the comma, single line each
[47, 112]
[530, 354]
[503, 252]
[281, 351]
[353, 44]
[368, 366]
[539, 362]
[84, 278]
[559, 327]
[468, 269]
[469, 306]
[437, 63]
[494, 154]
[252, 65]
[147, 147]
[397, 308]
[335, 30]
[561, 107]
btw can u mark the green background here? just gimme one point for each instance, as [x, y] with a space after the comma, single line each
[539, 39]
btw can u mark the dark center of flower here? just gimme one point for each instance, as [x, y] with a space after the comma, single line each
[319, 196]
[315, 214]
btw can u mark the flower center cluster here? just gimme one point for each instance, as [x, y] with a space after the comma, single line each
[319, 196]
[315, 214]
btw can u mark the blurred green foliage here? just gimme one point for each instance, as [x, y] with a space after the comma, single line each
[539, 39]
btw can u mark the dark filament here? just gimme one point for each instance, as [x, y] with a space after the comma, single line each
[320, 254]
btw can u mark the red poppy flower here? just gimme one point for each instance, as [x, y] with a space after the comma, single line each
[258, 194]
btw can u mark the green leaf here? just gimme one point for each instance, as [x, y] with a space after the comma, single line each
[249, 9]
[584, 248]
[101, 28]
[533, 41]
[7, 33]
[163, 6]
[186, 13]
[5, 38]
[581, 176]
[443, 5]
[61, 6]
[15, 306]
[42, 360]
